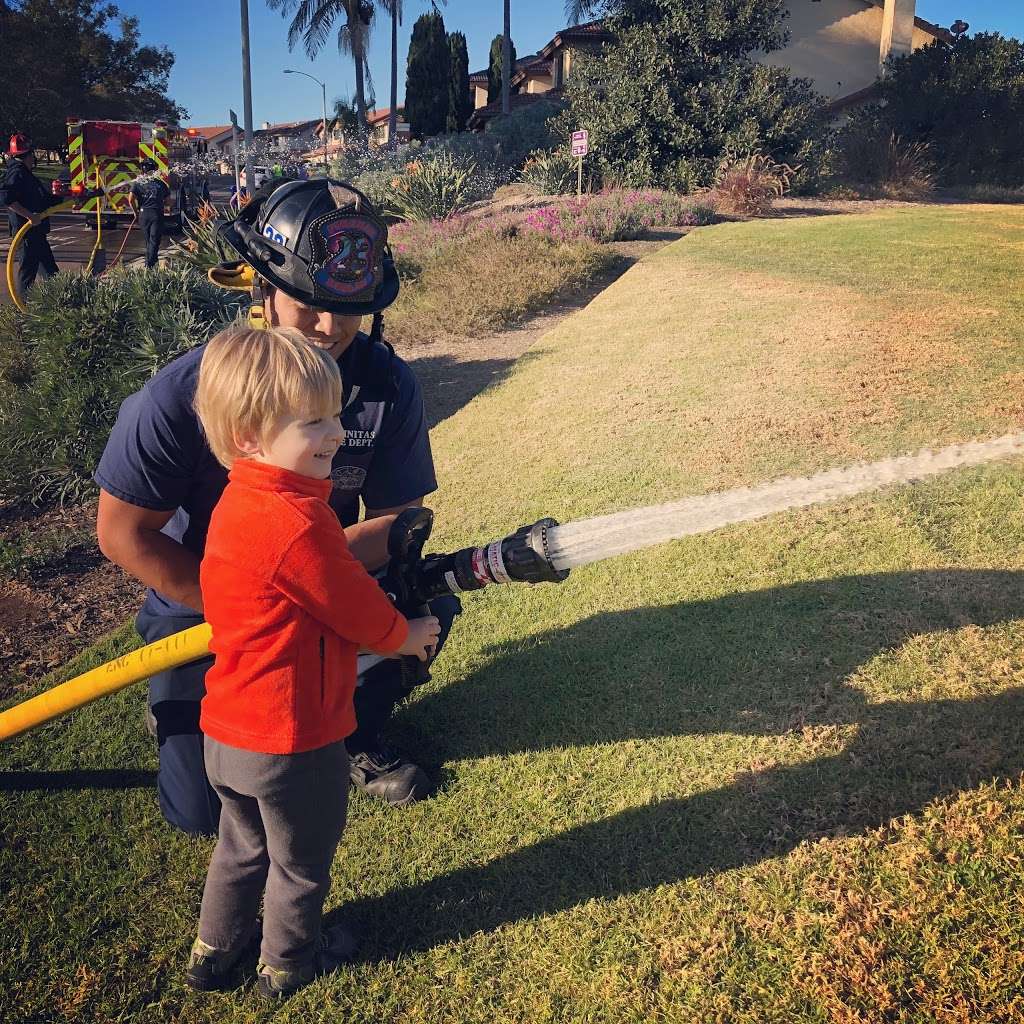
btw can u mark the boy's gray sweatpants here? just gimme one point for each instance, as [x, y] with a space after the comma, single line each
[281, 820]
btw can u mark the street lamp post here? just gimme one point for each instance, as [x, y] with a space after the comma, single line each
[250, 182]
[323, 94]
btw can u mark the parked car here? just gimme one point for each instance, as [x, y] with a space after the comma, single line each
[260, 173]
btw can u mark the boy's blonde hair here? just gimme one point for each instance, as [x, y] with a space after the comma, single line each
[250, 380]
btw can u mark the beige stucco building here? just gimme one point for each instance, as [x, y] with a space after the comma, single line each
[842, 45]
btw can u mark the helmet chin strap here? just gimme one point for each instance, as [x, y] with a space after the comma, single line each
[257, 308]
[377, 330]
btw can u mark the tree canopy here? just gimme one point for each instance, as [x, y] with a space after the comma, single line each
[460, 102]
[313, 21]
[494, 67]
[81, 57]
[965, 101]
[427, 77]
[678, 90]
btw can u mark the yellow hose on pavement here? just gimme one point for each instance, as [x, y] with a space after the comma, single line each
[16, 241]
[178, 649]
[98, 257]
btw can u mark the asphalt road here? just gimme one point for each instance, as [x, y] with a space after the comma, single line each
[72, 240]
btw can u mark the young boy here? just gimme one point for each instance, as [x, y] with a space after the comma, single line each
[289, 608]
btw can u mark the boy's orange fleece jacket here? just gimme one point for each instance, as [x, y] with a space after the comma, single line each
[289, 607]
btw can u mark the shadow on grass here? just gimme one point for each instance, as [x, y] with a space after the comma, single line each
[25, 781]
[771, 662]
[449, 384]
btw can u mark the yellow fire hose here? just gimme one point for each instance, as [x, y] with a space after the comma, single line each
[98, 257]
[16, 241]
[178, 649]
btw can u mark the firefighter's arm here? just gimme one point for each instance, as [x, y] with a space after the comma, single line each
[22, 211]
[130, 537]
[368, 541]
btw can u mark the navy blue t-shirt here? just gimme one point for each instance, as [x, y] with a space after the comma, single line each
[157, 458]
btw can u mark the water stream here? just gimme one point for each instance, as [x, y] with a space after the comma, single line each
[590, 540]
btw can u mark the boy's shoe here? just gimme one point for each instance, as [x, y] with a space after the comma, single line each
[385, 774]
[209, 969]
[335, 947]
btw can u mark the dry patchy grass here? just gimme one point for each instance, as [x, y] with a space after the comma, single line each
[488, 282]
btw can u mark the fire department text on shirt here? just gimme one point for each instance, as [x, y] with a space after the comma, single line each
[359, 438]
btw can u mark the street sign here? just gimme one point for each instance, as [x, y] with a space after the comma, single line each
[580, 143]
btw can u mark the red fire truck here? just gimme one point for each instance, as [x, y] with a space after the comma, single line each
[108, 154]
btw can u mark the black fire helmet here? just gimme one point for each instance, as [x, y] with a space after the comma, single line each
[320, 241]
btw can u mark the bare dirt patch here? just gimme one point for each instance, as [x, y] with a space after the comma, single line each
[52, 610]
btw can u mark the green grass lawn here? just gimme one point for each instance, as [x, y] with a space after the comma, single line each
[771, 774]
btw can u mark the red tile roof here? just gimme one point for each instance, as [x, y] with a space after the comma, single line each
[381, 115]
[209, 132]
[592, 33]
[539, 67]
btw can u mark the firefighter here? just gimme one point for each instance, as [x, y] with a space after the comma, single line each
[27, 199]
[147, 197]
[314, 255]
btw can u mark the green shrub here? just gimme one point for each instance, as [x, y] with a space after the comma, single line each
[870, 154]
[553, 173]
[66, 366]
[649, 127]
[200, 249]
[965, 102]
[432, 188]
[516, 135]
[990, 194]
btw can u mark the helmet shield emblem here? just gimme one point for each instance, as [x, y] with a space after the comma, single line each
[348, 254]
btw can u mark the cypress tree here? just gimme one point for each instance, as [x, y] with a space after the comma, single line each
[460, 103]
[494, 68]
[427, 74]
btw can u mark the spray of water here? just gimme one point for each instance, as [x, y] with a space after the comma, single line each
[591, 540]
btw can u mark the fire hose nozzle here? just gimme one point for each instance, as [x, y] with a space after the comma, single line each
[525, 554]
[521, 557]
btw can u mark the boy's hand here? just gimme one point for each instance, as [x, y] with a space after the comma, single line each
[422, 639]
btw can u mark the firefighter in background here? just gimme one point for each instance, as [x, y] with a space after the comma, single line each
[147, 196]
[27, 199]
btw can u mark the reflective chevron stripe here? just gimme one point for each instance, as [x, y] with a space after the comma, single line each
[76, 158]
[160, 150]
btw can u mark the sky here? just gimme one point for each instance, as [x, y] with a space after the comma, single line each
[204, 36]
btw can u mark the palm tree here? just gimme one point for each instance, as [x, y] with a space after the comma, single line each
[312, 23]
[506, 60]
[577, 10]
[394, 8]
